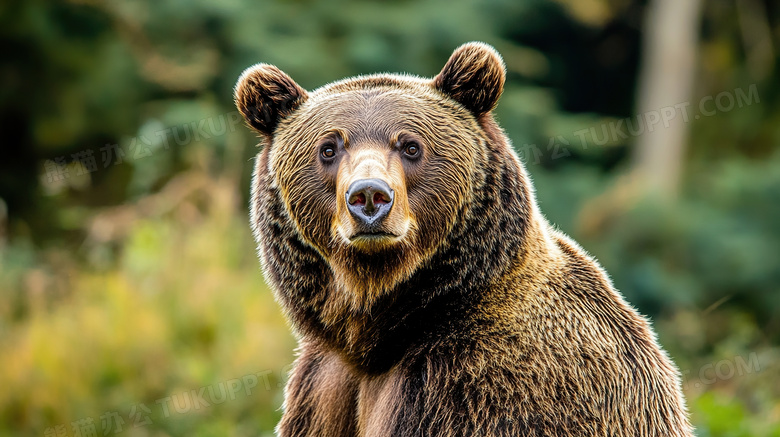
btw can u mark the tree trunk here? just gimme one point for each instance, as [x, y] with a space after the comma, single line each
[665, 89]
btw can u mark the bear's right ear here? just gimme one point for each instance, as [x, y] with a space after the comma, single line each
[265, 94]
[474, 77]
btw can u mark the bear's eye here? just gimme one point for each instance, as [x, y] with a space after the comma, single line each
[411, 149]
[328, 152]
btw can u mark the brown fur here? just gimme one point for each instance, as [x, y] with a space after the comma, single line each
[478, 318]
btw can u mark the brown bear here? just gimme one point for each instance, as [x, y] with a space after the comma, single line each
[400, 234]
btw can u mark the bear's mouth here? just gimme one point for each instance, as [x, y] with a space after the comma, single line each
[372, 236]
[373, 241]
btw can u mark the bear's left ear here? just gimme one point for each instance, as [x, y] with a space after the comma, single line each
[474, 77]
[265, 94]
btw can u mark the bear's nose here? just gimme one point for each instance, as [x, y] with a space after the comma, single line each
[369, 201]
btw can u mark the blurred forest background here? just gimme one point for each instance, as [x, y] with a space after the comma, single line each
[131, 299]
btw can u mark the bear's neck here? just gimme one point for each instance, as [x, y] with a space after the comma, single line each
[440, 304]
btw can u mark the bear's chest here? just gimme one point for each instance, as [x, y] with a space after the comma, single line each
[378, 403]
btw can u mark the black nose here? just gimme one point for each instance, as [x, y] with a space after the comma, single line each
[369, 201]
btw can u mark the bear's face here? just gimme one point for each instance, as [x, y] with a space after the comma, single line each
[374, 171]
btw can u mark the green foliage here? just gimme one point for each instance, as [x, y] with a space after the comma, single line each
[720, 243]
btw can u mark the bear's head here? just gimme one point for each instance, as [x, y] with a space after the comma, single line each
[377, 172]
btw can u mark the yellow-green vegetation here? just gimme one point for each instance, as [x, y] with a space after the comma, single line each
[184, 308]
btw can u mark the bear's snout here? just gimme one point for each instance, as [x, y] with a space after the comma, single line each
[372, 210]
[369, 201]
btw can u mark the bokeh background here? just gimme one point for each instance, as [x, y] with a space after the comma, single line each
[131, 299]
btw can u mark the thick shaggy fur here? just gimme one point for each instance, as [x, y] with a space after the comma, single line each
[479, 318]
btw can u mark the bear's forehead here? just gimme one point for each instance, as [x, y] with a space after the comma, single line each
[357, 114]
[386, 93]
[377, 107]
